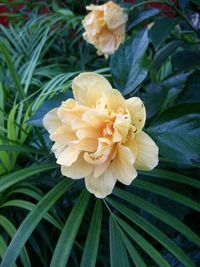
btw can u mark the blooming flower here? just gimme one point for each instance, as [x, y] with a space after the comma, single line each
[98, 135]
[105, 27]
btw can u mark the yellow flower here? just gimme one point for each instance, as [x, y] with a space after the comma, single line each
[105, 27]
[98, 135]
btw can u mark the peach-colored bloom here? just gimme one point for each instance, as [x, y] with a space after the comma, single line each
[98, 135]
[105, 27]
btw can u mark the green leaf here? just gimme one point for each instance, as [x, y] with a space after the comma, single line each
[168, 193]
[172, 176]
[191, 92]
[70, 229]
[92, 242]
[118, 253]
[143, 16]
[159, 213]
[163, 53]
[176, 132]
[134, 255]
[30, 206]
[161, 29]
[186, 59]
[32, 220]
[13, 71]
[154, 232]
[144, 244]
[3, 248]
[21, 149]
[18, 176]
[11, 230]
[127, 63]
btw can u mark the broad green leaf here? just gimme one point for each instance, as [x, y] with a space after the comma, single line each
[92, 242]
[176, 132]
[127, 63]
[143, 16]
[163, 53]
[32, 220]
[154, 232]
[18, 176]
[69, 232]
[191, 94]
[143, 243]
[11, 230]
[118, 253]
[161, 29]
[186, 59]
[158, 213]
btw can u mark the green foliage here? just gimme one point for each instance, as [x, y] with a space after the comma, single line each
[47, 220]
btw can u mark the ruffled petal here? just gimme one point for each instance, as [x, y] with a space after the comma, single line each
[106, 43]
[63, 135]
[68, 156]
[137, 111]
[70, 112]
[147, 157]
[51, 120]
[102, 185]
[79, 169]
[114, 15]
[122, 165]
[88, 88]
[115, 101]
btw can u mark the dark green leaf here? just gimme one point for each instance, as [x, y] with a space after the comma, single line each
[161, 30]
[186, 59]
[158, 213]
[32, 220]
[143, 243]
[176, 132]
[143, 16]
[68, 235]
[118, 253]
[127, 64]
[18, 176]
[92, 243]
[153, 231]
[163, 53]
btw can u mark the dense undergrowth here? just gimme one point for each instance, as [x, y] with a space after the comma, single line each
[50, 220]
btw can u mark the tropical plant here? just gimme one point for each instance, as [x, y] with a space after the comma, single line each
[50, 220]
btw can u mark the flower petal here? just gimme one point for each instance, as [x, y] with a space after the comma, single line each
[114, 15]
[79, 169]
[122, 165]
[58, 149]
[88, 88]
[68, 156]
[106, 43]
[147, 157]
[137, 111]
[51, 120]
[102, 185]
[63, 135]
[70, 112]
[115, 101]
